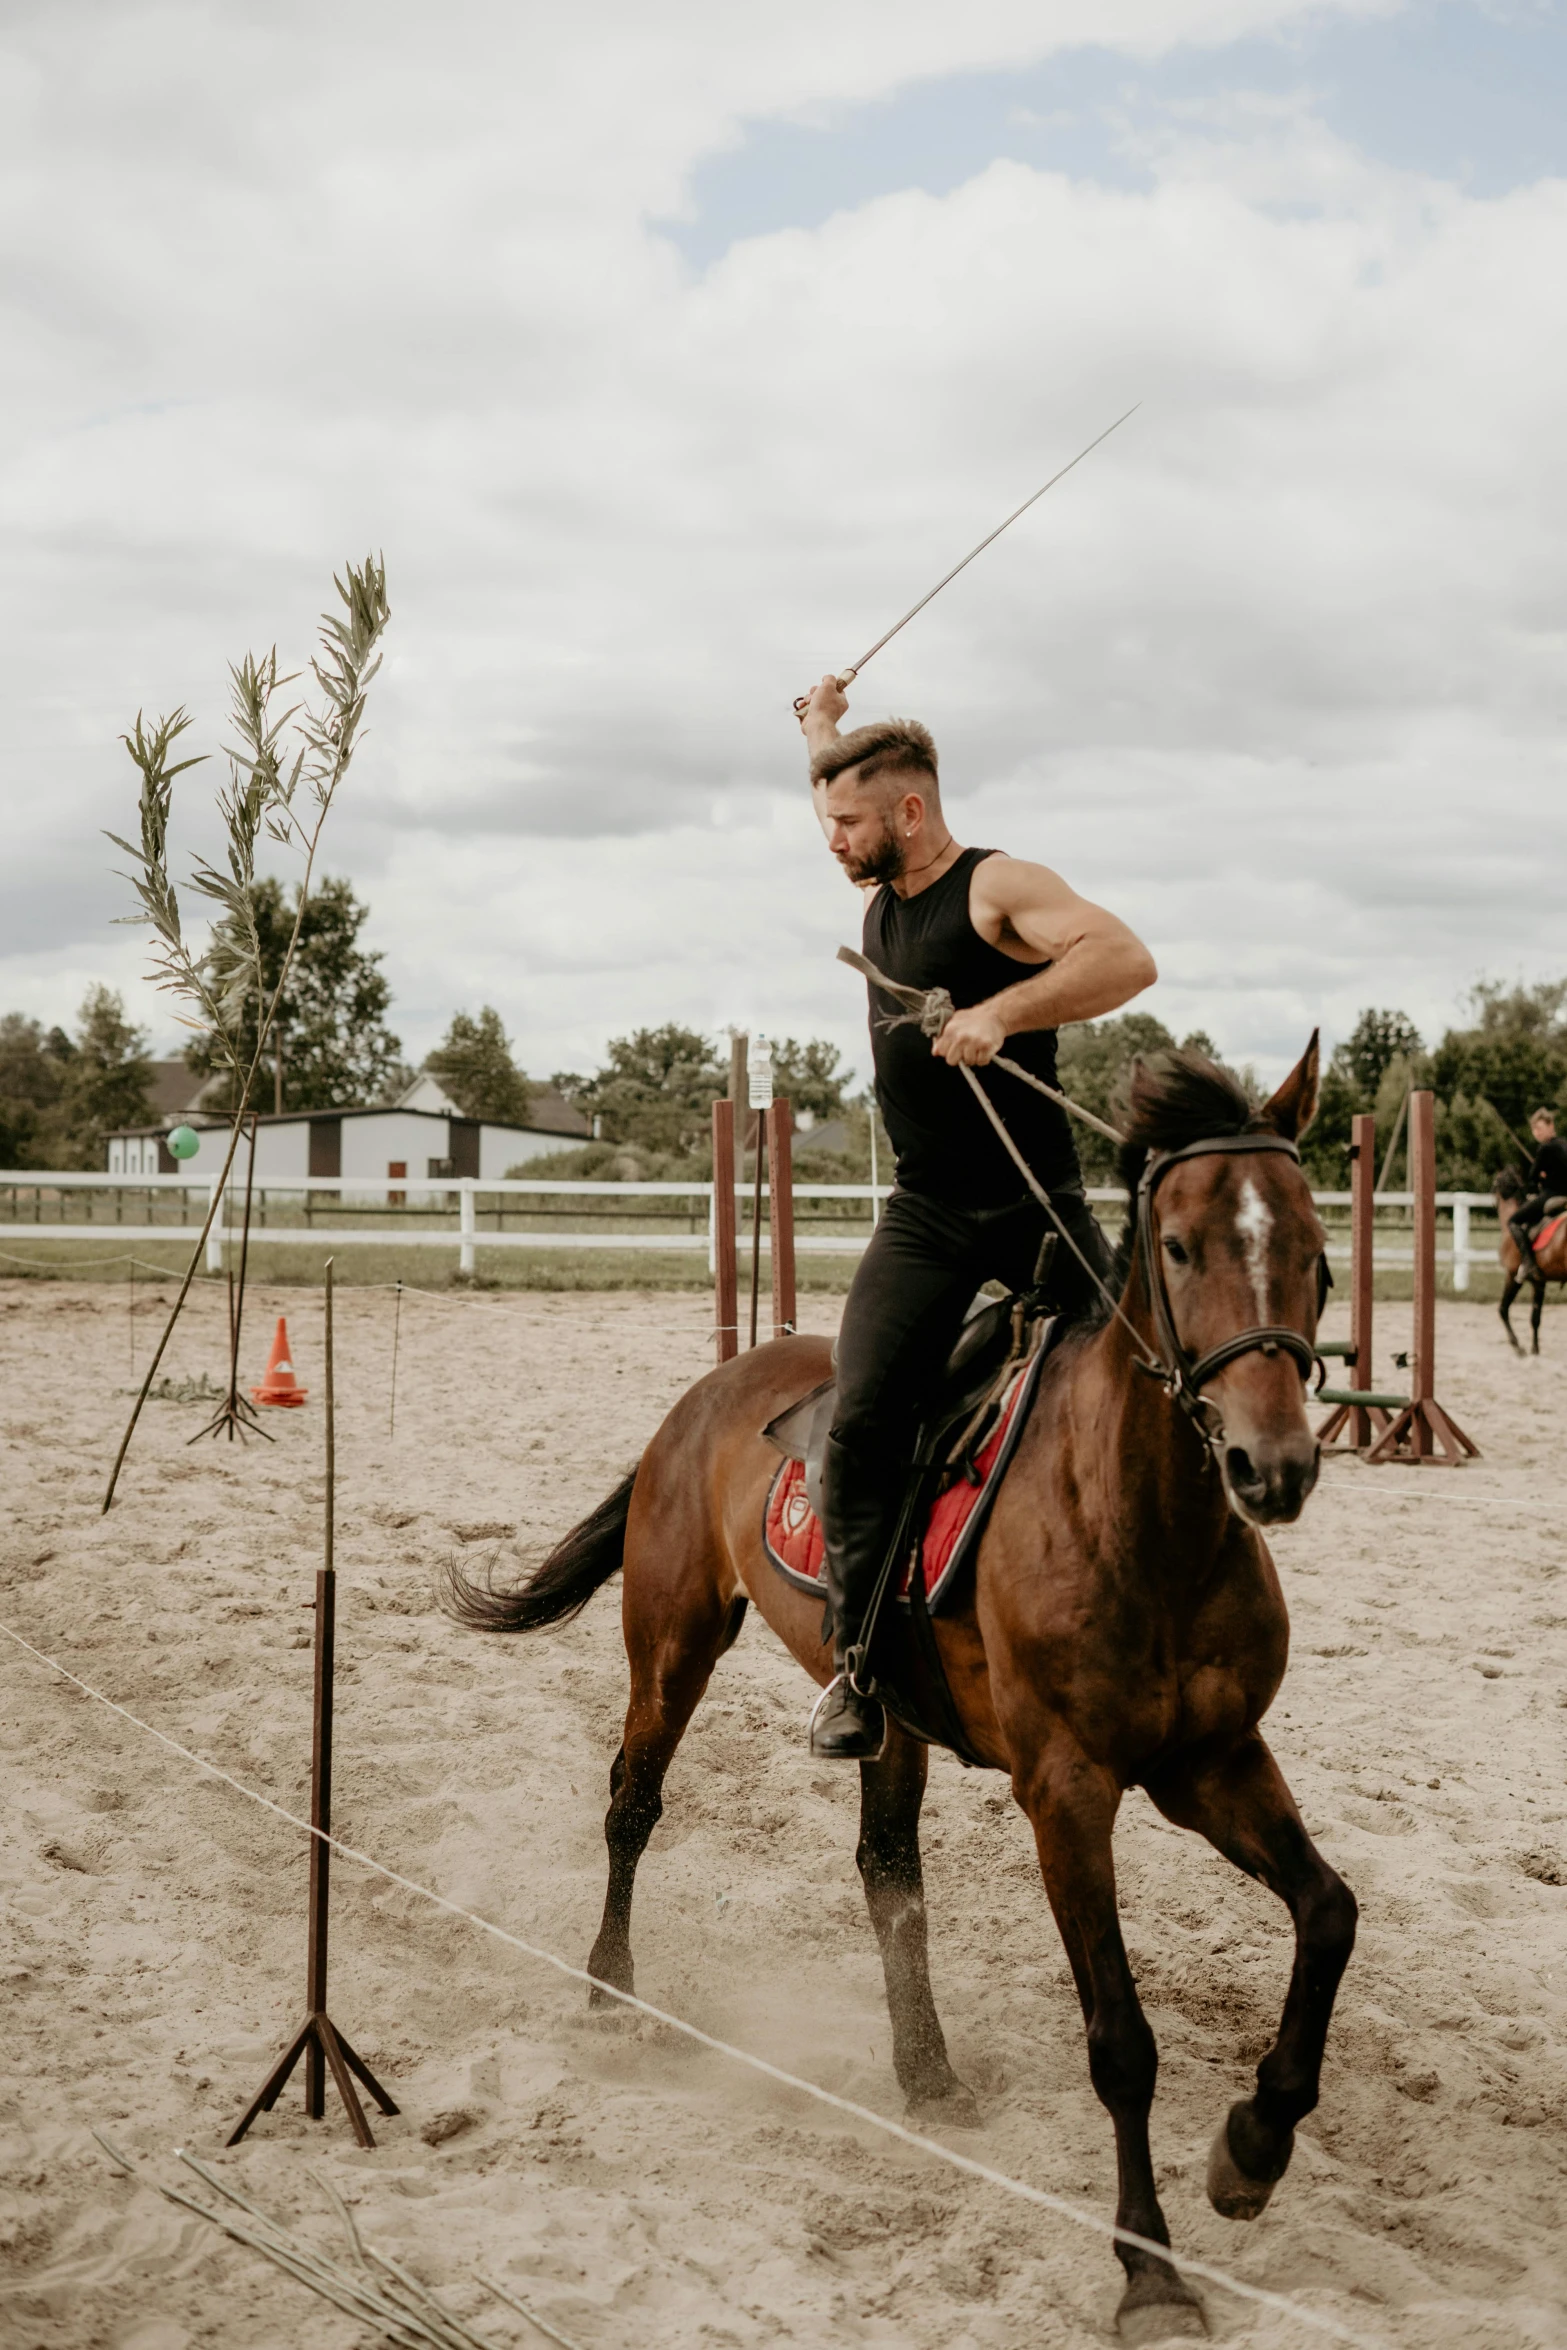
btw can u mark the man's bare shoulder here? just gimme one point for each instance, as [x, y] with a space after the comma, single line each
[1010, 882]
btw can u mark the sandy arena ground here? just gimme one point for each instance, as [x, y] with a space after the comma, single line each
[637, 2188]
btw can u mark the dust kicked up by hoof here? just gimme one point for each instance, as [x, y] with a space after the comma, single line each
[1160, 2309]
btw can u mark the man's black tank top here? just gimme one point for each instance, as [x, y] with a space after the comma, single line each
[946, 1145]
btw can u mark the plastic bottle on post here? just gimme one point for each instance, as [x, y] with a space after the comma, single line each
[759, 1071]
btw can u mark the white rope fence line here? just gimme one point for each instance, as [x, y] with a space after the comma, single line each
[1040, 2197]
[71, 1264]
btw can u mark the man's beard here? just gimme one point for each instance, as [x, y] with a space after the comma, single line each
[885, 862]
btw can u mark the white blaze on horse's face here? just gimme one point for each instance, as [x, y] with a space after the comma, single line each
[1254, 1222]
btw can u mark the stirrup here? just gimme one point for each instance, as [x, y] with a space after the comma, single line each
[843, 1681]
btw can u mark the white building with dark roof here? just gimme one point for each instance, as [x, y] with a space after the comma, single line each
[424, 1135]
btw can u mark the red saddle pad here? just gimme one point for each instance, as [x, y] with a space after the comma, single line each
[793, 1531]
[1547, 1233]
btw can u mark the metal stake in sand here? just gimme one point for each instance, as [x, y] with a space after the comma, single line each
[726, 1288]
[397, 1326]
[318, 2040]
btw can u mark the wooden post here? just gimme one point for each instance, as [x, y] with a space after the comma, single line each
[726, 1285]
[1352, 1426]
[780, 1162]
[1422, 1433]
[318, 2040]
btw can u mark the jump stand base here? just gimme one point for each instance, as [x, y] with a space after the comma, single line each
[324, 2050]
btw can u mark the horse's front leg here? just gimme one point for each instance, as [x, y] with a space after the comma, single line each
[892, 1790]
[1242, 1805]
[1535, 1311]
[1510, 1288]
[1072, 1804]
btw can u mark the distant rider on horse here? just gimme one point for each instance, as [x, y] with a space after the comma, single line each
[1546, 1180]
[1020, 953]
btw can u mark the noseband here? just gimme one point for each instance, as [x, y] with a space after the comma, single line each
[1184, 1377]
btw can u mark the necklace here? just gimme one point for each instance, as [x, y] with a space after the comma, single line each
[910, 870]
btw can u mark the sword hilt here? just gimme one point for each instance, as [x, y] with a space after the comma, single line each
[801, 701]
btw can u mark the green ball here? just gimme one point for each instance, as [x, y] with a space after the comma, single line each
[184, 1142]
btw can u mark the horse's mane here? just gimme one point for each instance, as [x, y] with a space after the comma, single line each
[1173, 1098]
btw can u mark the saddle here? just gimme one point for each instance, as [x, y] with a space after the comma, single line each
[998, 1337]
[978, 1411]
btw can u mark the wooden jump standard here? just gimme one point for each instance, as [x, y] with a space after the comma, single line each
[1383, 1427]
[778, 1128]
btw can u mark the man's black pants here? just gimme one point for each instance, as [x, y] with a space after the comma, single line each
[905, 1308]
[1528, 1213]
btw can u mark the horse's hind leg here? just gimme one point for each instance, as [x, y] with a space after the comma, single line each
[891, 1792]
[1243, 1807]
[677, 1627]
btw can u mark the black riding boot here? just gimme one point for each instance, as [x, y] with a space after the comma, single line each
[862, 1498]
[1518, 1226]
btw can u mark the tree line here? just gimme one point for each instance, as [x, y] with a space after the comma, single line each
[650, 1102]
[1507, 1059]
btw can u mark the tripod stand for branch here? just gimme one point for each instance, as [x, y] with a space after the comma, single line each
[236, 1413]
[318, 2039]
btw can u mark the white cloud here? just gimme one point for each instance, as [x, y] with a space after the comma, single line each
[1278, 672]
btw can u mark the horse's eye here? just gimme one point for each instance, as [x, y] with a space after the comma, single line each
[1176, 1253]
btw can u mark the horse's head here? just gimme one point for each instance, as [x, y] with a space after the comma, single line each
[1507, 1185]
[1234, 1268]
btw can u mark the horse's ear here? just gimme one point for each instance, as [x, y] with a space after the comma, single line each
[1294, 1106]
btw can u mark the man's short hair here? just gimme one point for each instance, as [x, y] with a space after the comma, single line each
[888, 745]
[1548, 1115]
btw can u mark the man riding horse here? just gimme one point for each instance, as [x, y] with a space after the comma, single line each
[1019, 952]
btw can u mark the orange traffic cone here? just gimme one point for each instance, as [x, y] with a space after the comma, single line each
[280, 1386]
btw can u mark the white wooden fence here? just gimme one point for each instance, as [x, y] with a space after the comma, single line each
[468, 1199]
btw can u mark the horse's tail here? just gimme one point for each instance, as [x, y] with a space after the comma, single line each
[579, 1564]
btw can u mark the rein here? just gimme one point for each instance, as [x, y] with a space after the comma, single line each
[1172, 1365]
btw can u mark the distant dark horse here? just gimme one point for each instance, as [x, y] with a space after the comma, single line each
[1549, 1265]
[1125, 1625]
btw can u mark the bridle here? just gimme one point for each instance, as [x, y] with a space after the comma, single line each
[1184, 1376]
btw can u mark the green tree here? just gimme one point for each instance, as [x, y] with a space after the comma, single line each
[108, 1078]
[474, 1063]
[34, 1062]
[335, 1048]
[1093, 1062]
[1376, 1039]
[61, 1095]
[657, 1089]
[1513, 1053]
[810, 1075]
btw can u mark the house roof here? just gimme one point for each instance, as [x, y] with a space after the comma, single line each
[204, 1122]
[175, 1089]
[549, 1112]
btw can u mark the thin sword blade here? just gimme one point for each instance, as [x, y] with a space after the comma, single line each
[854, 672]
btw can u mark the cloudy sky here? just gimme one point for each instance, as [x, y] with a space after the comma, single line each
[669, 353]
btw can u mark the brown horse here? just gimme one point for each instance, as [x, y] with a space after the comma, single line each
[1549, 1264]
[1124, 1625]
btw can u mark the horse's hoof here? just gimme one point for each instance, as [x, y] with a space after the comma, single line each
[616, 1978]
[1234, 2193]
[955, 2108]
[1157, 2308]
